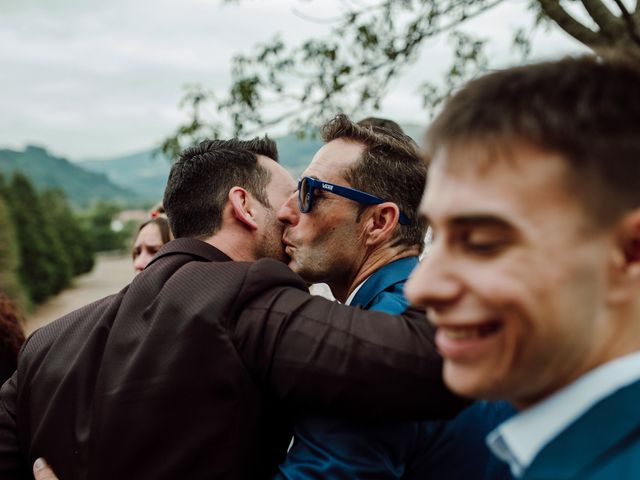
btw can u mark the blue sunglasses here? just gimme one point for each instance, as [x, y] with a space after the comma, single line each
[307, 186]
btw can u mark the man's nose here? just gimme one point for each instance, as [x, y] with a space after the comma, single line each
[289, 212]
[433, 283]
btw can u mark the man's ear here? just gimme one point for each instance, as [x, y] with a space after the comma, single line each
[626, 255]
[382, 222]
[242, 208]
[630, 241]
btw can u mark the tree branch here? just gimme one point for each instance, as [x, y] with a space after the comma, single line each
[610, 25]
[570, 25]
[630, 21]
[622, 7]
[300, 14]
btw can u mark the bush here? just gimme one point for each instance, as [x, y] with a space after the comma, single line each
[9, 256]
[42, 243]
[98, 222]
[74, 238]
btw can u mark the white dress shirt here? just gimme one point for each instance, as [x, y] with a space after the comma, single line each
[518, 440]
[355, 290]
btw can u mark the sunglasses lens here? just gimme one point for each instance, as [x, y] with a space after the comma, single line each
[304, 195]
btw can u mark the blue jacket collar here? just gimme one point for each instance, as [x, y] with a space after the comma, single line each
[588, 439]
[384, 278]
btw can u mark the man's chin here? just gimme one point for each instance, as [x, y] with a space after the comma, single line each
[297, 268]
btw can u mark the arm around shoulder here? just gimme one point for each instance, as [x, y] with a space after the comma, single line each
[318, 354]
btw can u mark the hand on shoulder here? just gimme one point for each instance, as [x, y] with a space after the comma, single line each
[42, 470]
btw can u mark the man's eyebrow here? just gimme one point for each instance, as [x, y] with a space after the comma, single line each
[480, 220]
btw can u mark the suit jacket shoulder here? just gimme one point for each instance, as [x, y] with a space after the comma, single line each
[602, 444]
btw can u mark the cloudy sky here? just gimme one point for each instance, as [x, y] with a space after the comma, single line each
[96, 78]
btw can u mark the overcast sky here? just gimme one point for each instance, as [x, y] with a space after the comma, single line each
[96, 78]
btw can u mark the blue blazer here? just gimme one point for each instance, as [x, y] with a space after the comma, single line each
[602, 444]
[340, 448]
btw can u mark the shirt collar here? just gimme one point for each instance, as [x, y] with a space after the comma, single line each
[355, 291]
[394, 272]
[519, 439]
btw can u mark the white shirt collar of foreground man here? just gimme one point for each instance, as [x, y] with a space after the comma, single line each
[519, 439]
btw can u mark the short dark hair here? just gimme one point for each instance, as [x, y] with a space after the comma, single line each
[200, 180]
[377, 122]
[390, 167]
[587, 109]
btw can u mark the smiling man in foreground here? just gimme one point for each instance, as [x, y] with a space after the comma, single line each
[533, 278]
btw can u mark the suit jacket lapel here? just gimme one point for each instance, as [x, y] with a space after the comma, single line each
[590, 437]
[383, 278]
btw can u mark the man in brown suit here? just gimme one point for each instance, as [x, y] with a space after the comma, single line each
[189, 370]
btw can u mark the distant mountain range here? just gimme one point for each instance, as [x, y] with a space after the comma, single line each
[133, 180]
[81, 186]
[143, 172]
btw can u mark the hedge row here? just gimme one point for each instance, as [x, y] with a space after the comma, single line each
[43, 244]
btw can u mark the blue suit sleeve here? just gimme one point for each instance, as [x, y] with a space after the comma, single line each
[343, 449]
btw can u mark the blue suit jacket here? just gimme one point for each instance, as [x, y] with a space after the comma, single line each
[339, 448]
[603, 444]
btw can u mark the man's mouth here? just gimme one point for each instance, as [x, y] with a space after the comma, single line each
[468, 342]
[288, 247]
[465, 332]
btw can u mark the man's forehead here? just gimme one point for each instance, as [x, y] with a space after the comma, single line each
[334, 158]
[524, 181]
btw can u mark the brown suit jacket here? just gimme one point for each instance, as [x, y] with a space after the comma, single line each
[188, 373]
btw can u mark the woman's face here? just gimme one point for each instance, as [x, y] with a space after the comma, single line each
[146, 245]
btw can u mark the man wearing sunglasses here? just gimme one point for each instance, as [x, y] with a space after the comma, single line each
[191, 370]
[352, 224]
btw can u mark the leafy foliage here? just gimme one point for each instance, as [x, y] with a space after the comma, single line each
[44, 265]
[9, 254]
[369, 47]
[98, 222]
[42, 242]
[74, 237]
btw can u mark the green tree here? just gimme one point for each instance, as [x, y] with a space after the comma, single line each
[98, 221]
[370, 46]
[74, 239]
[9, 254]
[45, 268]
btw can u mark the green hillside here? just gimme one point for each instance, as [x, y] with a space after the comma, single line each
[81, 187]
[142, 172]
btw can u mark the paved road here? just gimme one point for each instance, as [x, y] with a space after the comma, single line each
[110, 274]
